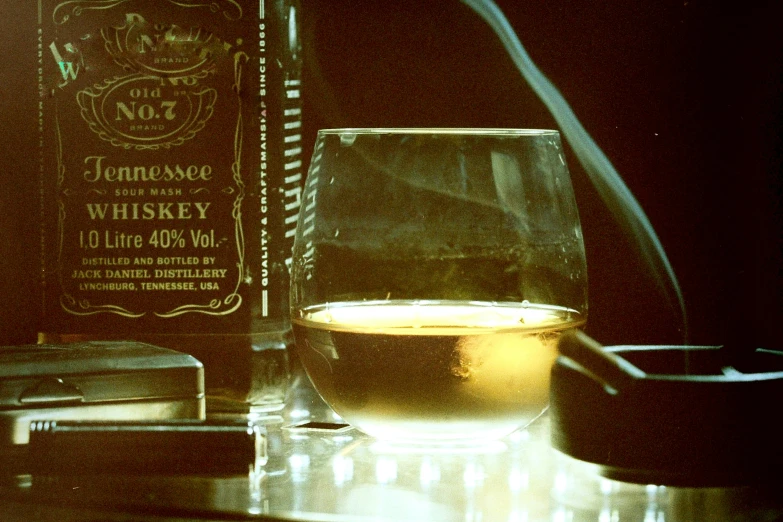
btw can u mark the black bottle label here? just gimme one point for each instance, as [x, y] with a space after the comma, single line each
[171, 164]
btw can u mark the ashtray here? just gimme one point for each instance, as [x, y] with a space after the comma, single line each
[694, 416]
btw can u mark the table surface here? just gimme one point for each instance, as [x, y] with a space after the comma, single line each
[327, 476]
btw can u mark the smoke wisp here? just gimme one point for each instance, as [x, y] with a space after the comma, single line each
[610, 186]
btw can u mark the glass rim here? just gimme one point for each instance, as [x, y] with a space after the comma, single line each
[454, 131]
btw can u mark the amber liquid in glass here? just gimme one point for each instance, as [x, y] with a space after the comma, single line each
[432, 371]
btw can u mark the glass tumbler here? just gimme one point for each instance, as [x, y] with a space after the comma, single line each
[433, 271]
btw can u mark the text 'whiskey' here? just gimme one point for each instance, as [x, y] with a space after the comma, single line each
[171, 167]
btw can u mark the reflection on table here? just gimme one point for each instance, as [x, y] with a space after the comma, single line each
[345, 475]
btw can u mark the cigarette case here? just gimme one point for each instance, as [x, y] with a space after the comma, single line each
[95, 381]
[159, 447]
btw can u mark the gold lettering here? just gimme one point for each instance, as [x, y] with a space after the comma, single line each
[86, 274]
[131, 174]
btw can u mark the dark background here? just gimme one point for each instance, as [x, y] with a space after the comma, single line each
[684, 97]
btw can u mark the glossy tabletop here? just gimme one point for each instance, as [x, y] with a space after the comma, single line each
[345, 475]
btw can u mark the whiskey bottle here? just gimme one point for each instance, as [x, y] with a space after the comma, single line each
[170, 170]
